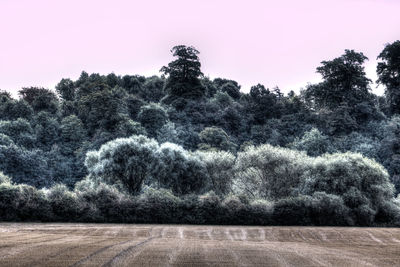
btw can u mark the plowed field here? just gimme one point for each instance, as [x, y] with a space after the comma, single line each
[182, 245]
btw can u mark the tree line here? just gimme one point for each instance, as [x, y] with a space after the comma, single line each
[181, 143]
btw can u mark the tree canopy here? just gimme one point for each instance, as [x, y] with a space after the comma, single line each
[184, 73]
[388, 71]
[344, 81]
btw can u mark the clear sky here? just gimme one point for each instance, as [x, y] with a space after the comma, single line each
[276, 43]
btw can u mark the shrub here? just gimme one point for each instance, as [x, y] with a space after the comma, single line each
[209, 209]
[235, 211]
[157, 206]
[8, 202]
[388, 214]
[101, 202]
[327, 209]
[64, 203]
[32, 204]
[261, 212]
[293, 211]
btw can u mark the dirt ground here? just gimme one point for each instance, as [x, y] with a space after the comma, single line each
[39, 244]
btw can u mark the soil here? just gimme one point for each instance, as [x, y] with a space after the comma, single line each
[62, 244]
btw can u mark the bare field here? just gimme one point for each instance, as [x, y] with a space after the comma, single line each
[39, 244]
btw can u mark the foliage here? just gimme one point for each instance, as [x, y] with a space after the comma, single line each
[178, 170]
[4, 179]
[269, 172]
[219, 155]
[152, 117]
[313, 142]
[126, 162]
[388, 71]
[214, 139]
[184, 73]
[344, 81]
[25, 166]
[40, 99]
[362, 183]
[20, 131]
[219, 165]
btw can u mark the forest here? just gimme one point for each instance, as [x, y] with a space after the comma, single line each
[184, 148]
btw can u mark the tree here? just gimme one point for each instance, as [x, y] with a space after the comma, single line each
[179, 170]
[11, 109]
[40, 99]
[72, 134]
[25, 166]
[269, 172]
[341, 120]
[133, 84]
[215, 138]
[219, 165]
[102, 109]
[4, 179]
[47, 130]
[134, 105]
[152, 117]
[153, 89]
[389, 74]
[20, 131]
[389, 151]
[66, 89]
[362, 183]
[124, 162]
[262, 104]
[313, 142]
[344, 81]
[233, 90]
[184, 73]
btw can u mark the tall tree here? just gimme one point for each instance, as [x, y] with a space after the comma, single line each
[184, 73]
[389, 74]
[344, 81]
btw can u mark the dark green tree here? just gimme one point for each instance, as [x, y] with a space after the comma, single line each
[14, 109]
[25, 166]
[153, 89]
[344, 81]
[40, 99]
[232, 88]
[184, 73]
[262, 104]
[20, 131]
[102, 110]
[66, 89]
[152, 117]
[214, 139]
[72, 134]
[47, 130]
[389, 74]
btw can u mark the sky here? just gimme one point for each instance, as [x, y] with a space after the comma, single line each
[275, 43]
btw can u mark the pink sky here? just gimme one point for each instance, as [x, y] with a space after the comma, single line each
[269, 42]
